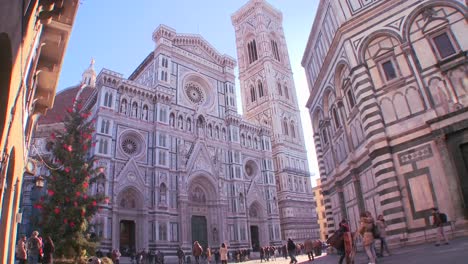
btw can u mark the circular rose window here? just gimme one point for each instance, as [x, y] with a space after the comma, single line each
[250, 168]
[194, 93]
[129, 146]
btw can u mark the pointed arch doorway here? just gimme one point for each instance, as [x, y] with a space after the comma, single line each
[258, 226]
[129, 222]
[200, 230]
[127, 235]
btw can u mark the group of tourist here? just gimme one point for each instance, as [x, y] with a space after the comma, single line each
[371, 231]
[35, 249]
[198, 252]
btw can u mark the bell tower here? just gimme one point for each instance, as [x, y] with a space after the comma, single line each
[269, 98]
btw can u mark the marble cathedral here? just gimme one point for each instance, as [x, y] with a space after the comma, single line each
[180, 163]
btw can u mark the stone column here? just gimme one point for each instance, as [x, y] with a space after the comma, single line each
[383, 166]
[184, 219]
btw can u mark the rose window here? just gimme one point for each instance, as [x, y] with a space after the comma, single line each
[194, 93]
[129, 146]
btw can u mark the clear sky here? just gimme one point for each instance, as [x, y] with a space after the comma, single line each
[118, 35]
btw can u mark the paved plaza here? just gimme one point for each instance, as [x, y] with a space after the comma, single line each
[455, 253]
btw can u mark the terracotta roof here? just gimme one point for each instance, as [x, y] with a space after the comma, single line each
[63, 101]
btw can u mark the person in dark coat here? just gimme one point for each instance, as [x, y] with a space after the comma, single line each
[292, 251]
[49, 249]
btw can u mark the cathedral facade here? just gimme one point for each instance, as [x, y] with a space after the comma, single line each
[388, 103]
[180, 164]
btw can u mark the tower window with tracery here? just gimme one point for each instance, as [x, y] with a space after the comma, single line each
[253, 96]
[260, 89]
[252, 50]
[274, 48]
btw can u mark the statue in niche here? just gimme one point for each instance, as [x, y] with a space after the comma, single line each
[100, 188]
[215, 235]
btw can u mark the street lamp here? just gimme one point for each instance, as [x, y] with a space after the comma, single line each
[39, 181]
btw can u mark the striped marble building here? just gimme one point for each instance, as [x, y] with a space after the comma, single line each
[388, 101]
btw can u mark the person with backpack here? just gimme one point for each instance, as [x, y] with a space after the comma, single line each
[382, 235]
[34, 247]
[438, 220]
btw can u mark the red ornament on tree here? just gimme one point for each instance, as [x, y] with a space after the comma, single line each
[94, 203]
[50, 192]
[85, 185]
[57, 210]
[67, 169]
[77, 194]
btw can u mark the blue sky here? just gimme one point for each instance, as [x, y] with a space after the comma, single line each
[118, 35]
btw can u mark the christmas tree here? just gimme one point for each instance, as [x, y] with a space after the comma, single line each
[68, 206]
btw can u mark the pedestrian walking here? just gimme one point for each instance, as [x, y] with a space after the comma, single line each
[208, 255]
[223, 252]
[216, 256]
[116, 256]
[180, 255]
[49, 250]
[21, 255]
[197, 251]
[365, 229]
[438, 222]
[292, 251]
[309, 249]
[34, 247]
[382, 235]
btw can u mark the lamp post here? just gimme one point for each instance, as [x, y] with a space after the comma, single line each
[39, 182]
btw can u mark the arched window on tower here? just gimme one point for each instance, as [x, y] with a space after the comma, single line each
[252, 51]
[280, 90]
[162, 193]
[123, 106]
[274, 48]
[260, 89]
[285, 127]
[293, 130]
[253, 96]
[286, 92]
[134, 109]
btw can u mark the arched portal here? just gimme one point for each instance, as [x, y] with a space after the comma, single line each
[257, 226]
[129, 225]
[204, 209]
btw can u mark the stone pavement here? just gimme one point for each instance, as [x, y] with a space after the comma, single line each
[455, 253]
